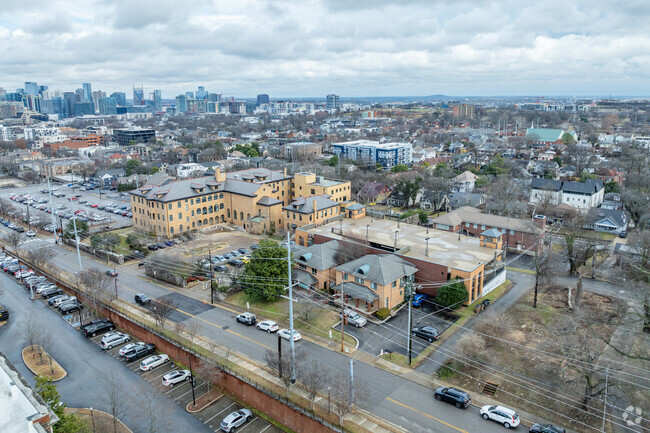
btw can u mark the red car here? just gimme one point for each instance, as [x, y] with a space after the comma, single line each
[94, 205]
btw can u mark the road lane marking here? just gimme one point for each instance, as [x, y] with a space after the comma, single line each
[427, 415]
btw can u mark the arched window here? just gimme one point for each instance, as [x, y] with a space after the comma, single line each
[193, 224]
[209, 209]
[220, 205]
[234, 215]
[221, 195]
[211, 220]
[209, 198]
[180, 228]
[203, 199]
[205, 210]
[228, 213]
[171, 230]
[200, 224]
[248, 216]
[223, 218]
[205, 221]
[241, 216]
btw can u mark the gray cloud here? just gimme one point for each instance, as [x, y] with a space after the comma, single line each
[315, 47]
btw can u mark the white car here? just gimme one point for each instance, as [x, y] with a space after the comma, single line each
[176, 376]
[284, 333]
[500, 414]
[30, 233]
[152, 362]
[236, 419]
[112, 339]
[268, 326]
[130, 346]
[63, 299]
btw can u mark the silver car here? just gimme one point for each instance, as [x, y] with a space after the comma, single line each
[236, 419]
[112, 339]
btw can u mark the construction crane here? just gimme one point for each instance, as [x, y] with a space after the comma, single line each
[540, 97]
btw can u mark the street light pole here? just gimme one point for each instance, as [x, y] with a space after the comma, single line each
[291, 342]
[426, 253]
[410, 317]
[76, 238]
[211, 277]
[115, 272]
[192, 381]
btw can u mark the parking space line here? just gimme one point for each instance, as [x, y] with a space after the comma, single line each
[262, 431]
[249, 424]
[176, 387]
[195, 388]
[231, 405]
[159, 376]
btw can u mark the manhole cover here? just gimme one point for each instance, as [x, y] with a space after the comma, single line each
[225, 327]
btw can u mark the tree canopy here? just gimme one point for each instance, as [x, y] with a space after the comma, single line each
[399, 168]
[82, 229]
[452, 294]
[265, 276]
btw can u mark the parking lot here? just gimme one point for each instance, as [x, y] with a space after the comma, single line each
[67, 201]
[392, 335]
[180, 393]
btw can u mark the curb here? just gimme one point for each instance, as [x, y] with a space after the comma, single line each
[22, 354]
[78, 410]
[205, 406]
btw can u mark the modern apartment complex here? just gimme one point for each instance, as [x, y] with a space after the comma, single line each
[386, 155]
[139, 135]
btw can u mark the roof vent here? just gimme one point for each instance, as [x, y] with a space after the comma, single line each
[306, 257]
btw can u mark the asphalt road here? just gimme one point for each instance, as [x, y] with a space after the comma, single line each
[84, 361]
[392, 397]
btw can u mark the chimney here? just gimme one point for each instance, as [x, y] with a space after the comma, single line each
[540, 221]
[218, 175]
[284, 170]
[315, 210]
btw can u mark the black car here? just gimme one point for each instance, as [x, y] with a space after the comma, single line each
[486, 302]
[4, 314]
[138, 352]
[97, 327]
[255, 246]
[545, 428]
[68, 307]
[142, 299]
[48, 293]
[622, 234]
[454, 396]
[221, 268]
[243, 251]
[427, 332]
[152, 247]
[20, 230]
[237, 263]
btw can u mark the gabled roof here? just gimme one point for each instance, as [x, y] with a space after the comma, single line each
[371, 189]
[379, 268]
[546, 184]
[590, 186]
[268, 201]
[470, 215]
[459, 199]
[610, 217]
[492, 233]
[464, 177]
[545, 135]
[319, 256]
[356, 291]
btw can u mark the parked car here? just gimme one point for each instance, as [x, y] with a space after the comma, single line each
[97, 327]
[246, 318]
[268, 326]
[139, 352]
[221, 268]
[236, 419]
[500, 414]
[154, 361]
[622, 234]
[4, 314]
[353, 318]
[486, 302]
[142, 299]
[243, 251]
[254, 246]
[426, 332]
[56, 298]
[51, 292]
[284, 333]
[419, 298]
[68, 307]
[237, 263]
[234, 254]
[112, 339]
[111, 273]
[227, 256]
[454, 396]
[545, 428]
[128, 347]
[31, 233]
[63, 299]
[176, 376]
[40, 288]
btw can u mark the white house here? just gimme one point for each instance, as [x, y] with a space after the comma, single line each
[464, 182]
[576, 194]
[183, 171]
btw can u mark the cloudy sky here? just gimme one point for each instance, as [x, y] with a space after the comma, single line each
[311, 48]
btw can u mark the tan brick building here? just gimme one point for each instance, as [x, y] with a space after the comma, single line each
[308, 184]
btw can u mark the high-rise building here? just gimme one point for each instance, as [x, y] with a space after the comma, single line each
[70, 98]
[201, 93]
[31, 88]
[333, 102]
[189, 95]
[120, 98]
[157, 100]
[214, 97]
[138, 96]
[263, 99]
[32, 102]
[181, 104]
[83, 108]
[56, 105]
[464, 111]
[107, 105]
[97, 95]
[87, 92]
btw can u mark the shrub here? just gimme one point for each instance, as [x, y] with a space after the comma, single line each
[382, 313]
[452, 294]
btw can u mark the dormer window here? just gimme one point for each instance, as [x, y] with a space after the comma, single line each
[306, 257]
[363, 269]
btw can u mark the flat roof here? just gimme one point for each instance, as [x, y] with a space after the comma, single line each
[444, 247]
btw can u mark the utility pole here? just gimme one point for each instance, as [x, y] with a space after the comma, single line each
[115, 272]
[343, 318]
[76, 238]
[410, 317]
[29, 226]
[211, 276]
[352, 383]
[291, 342]
[192, 381]
[605, 402]
[279, 357]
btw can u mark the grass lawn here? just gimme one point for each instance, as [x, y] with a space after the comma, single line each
[595, 235]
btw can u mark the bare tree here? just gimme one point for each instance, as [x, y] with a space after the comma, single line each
[160, 311]
[506, 197]
[153, 409]
[208, 372]
[580, 157]
[41, 256]
[46, 343]
[283, 365]
[115, 396]
[31, 329]
[180, 327]
[341, 396]
[13, 239]
[350, 249]
[192, 329]
[313, 376]
[97, 285]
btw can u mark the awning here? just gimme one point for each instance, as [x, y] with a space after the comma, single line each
[357, 291]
